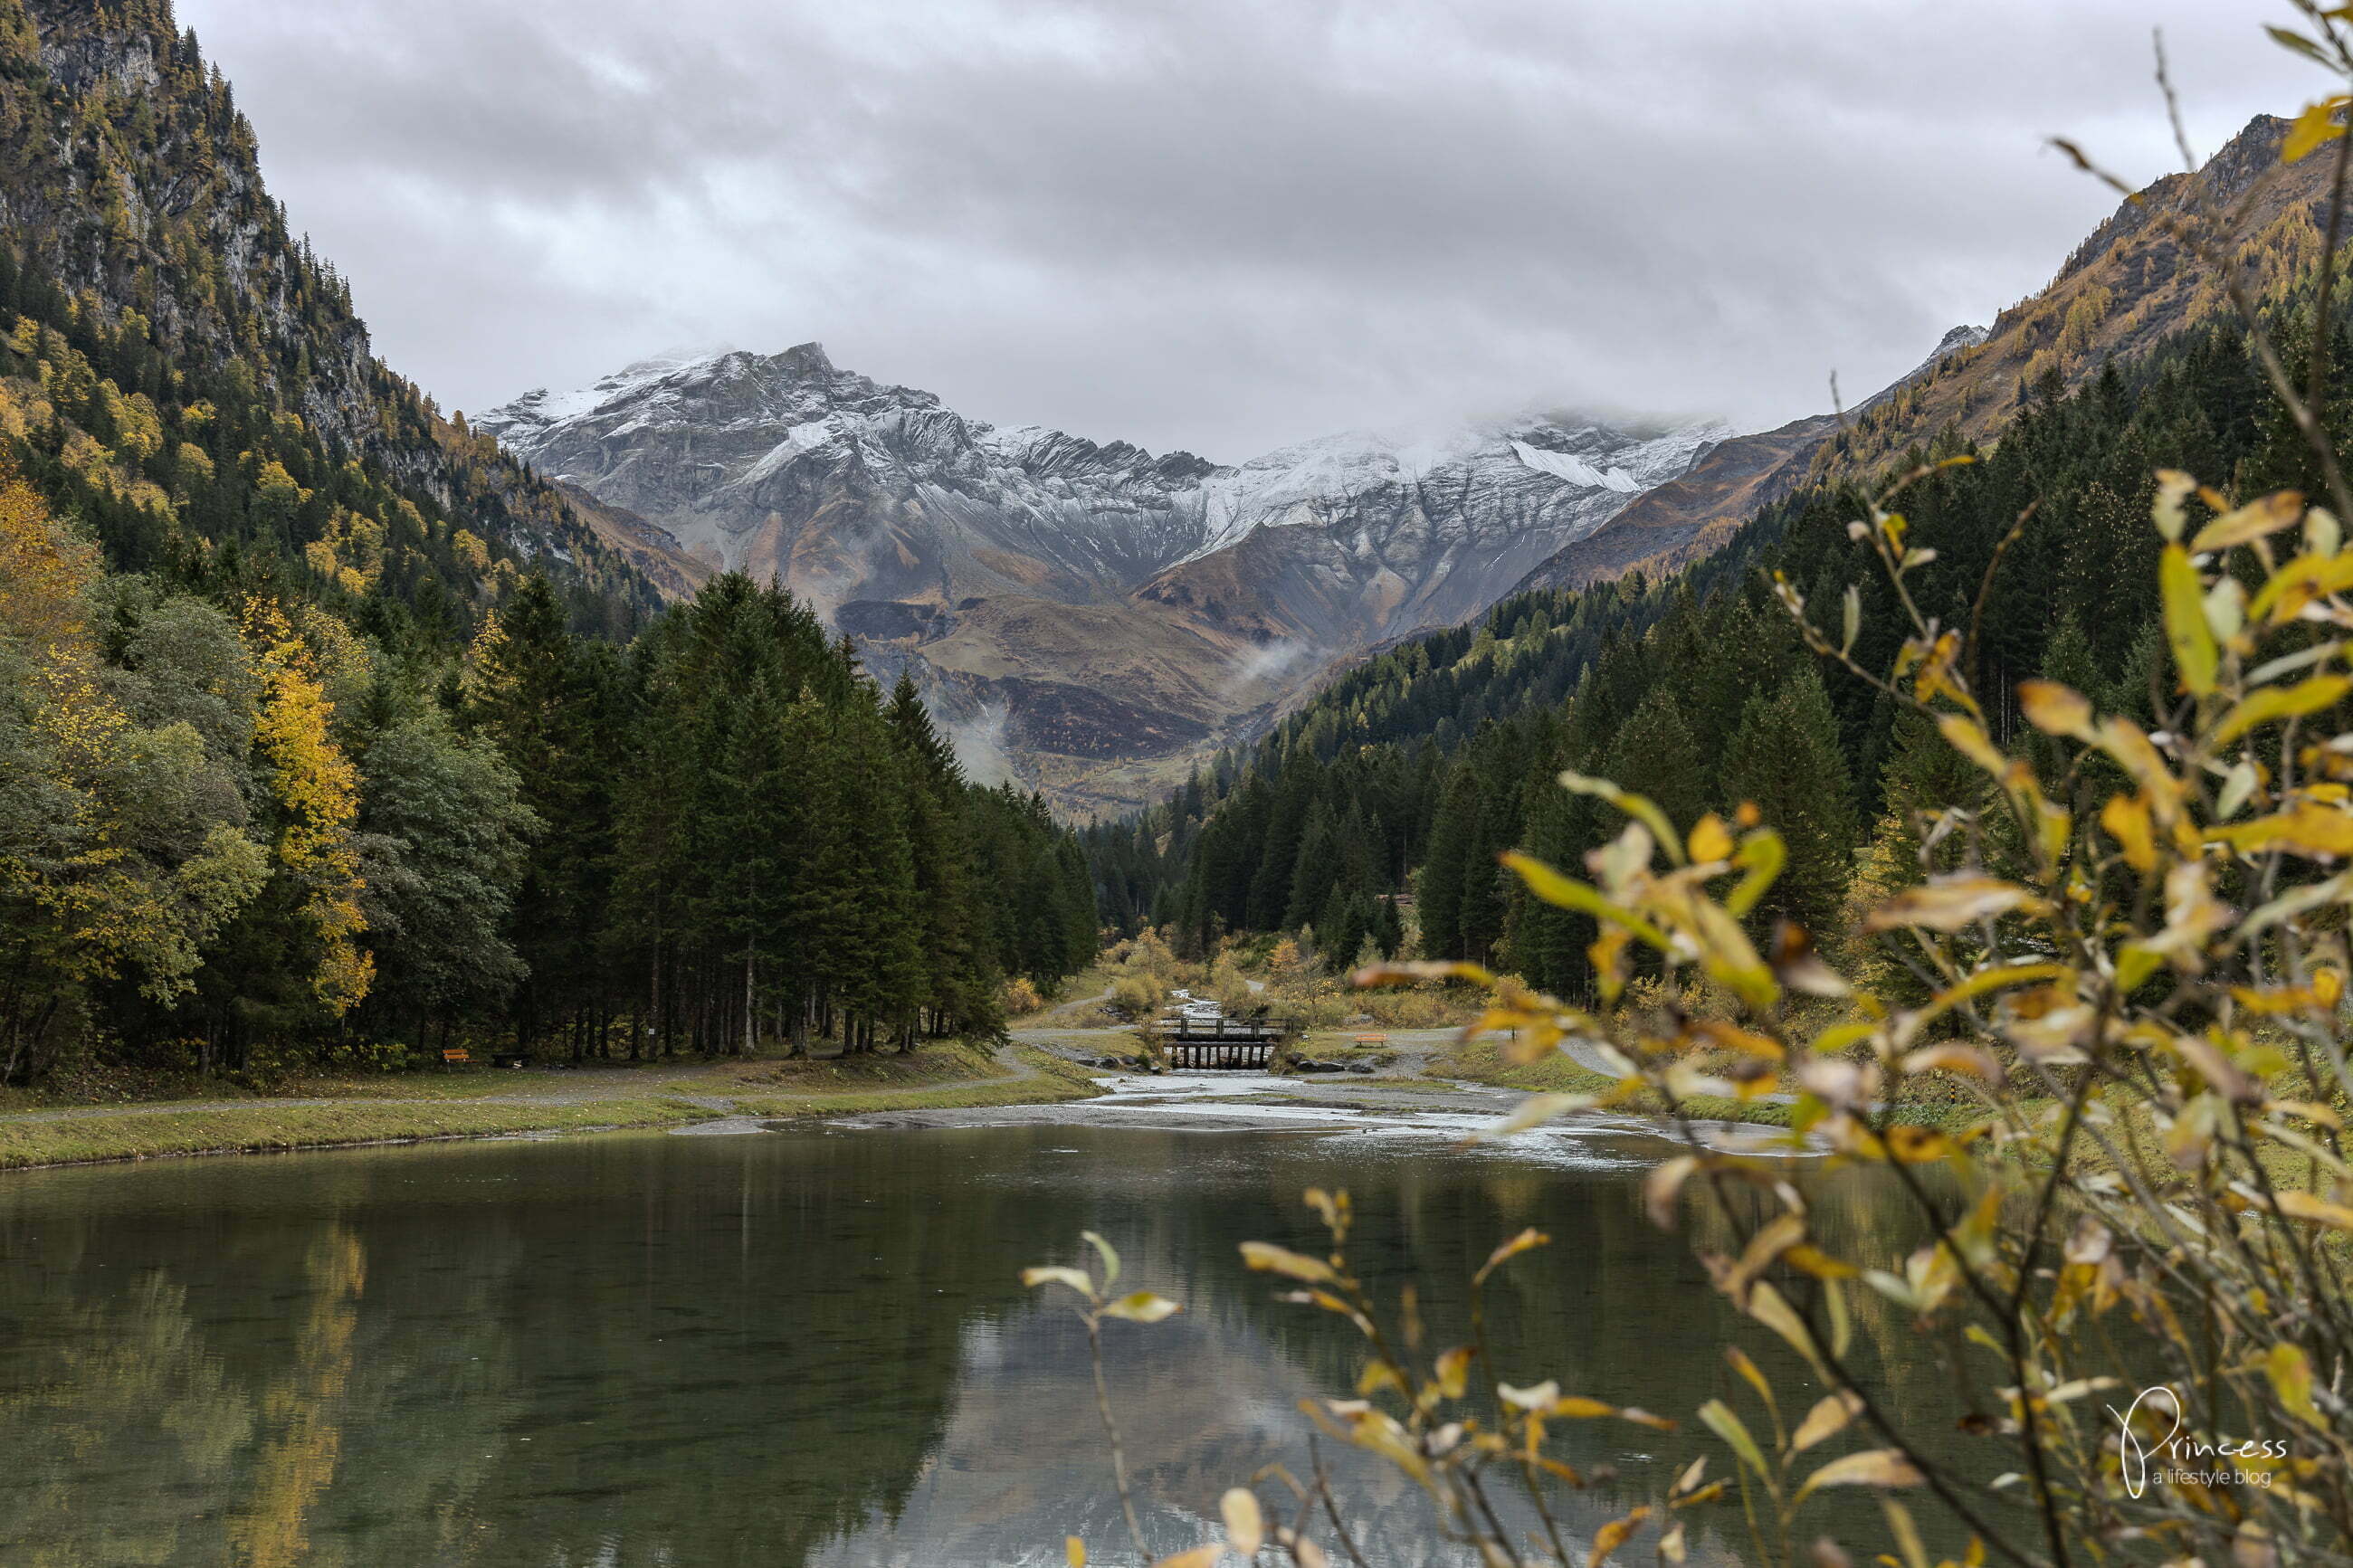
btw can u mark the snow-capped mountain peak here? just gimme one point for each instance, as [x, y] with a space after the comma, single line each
[768, 435]
[1056, 594]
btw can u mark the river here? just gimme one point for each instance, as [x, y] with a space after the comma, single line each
[798, 1348]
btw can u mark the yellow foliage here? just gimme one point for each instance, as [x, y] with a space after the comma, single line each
[318, 788]
[482, 652]
[277, 487]
[351, 553]
[193, 463]
[99, 902]
[45, 574]
[139, 430]
[2083, 319]
[470, 550]
[84, 455]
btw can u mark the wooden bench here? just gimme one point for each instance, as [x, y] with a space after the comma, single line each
[1372, 1039]
[456, 1057]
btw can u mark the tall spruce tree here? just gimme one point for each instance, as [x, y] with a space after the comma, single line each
[1448, 872]
[1785, 758]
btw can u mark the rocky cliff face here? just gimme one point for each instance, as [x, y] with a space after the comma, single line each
[854, 493]
[1347, 542]
[1086, 617]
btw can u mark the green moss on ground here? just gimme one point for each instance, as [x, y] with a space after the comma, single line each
[936, 1078]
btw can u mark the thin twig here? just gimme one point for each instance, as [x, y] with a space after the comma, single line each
[1330, 1508]
[1111, 1430]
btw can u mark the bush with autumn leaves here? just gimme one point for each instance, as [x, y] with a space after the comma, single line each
[2129, 957]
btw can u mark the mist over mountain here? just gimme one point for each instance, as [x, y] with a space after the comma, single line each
[1085, 616]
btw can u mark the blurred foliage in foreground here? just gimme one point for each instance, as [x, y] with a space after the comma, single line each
[2128, 949]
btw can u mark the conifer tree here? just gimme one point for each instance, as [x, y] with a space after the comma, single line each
[1785, 757]
[1316, 867]
[1450, 867]
[1655, 755]
[1925, 780]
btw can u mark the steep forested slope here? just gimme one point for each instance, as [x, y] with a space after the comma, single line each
[317, 730]
[141, 232]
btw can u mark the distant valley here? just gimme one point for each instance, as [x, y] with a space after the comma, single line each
[1086, 617]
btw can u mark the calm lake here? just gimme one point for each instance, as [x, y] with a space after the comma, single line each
[796, 1348]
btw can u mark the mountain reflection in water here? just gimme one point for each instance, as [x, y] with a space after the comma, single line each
[800, 1350]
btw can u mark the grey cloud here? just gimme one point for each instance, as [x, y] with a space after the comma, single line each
[1218, 224]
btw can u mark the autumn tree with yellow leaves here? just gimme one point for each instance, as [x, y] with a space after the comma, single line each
[120, 851]
[317, 792]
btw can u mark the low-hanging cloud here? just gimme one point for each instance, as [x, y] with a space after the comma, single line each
[1215, 223]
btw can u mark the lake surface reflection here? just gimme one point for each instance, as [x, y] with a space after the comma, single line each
[803, 1348]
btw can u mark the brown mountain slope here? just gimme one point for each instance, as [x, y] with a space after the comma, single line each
[657, 555]
[1686, 518]
[1101, 706]
[2128, 286]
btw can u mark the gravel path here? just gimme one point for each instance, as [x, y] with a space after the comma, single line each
[534, 1086]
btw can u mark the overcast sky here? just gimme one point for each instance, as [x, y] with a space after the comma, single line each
[1217, 224]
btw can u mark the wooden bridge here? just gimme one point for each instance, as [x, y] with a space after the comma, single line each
[1221, 1042]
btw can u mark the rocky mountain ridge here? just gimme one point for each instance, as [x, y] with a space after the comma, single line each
[1085, 615]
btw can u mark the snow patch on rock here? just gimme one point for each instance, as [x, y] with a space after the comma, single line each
[1576, 470]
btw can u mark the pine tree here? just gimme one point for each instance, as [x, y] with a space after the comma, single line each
[1785, 758]
[530, 698]
[1654, 755]
[1548, 943]
[871, 960]
[959, 989]
[1925, 779]
[1449, 868]
[1315, 869]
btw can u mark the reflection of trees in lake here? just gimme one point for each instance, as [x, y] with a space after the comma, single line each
[729, 1361]
[301, 1411]
[107, 1397]
[773, 1351]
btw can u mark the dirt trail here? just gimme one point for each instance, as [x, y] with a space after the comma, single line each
[544, 1087]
